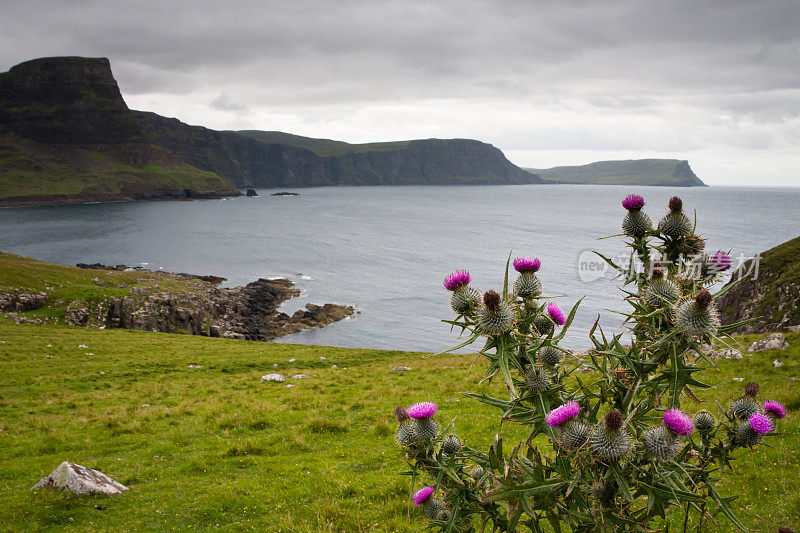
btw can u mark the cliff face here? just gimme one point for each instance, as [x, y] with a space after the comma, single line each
[772, 298]
[247, 162]
[66, 100]
[428, 162]
[67, 136]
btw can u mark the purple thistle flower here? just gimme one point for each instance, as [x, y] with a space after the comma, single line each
[678, 422]
[556, 314]
[457, 279]
[562, 414]
[422, 495]
[776, 409]
[721, 261]
[527, 264]
[421, 410]
[761, 424]
[633, 202]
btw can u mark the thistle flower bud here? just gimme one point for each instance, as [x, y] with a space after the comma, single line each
[675, 224]
[636, 224]
[662, 443]
[405, 434]
[698, 316]
[451, 444]
[614, 420]
[538, 379]
[743, 407]
[528, 285]
[574, 434]
[496, 316]
[609, 445]
[750, 431]
[543, 325]
[660, 291]
[704, 422]
[433, 508]
[401, 414]
[465, 299]
[550, 355]
[603, 492]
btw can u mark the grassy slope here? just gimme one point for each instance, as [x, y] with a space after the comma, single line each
[217, 449]
[64, 283]
[321, 147]
[30, 169]
[631, 172]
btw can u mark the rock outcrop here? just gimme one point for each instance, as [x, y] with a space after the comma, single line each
[80, 480]
[16, 301]
[770, 301]
[249, 312]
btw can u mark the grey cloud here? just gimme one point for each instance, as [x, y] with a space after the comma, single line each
[224, 102]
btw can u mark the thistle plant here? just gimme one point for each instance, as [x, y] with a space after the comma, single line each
[613, 450]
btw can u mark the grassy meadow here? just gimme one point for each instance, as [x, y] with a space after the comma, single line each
[212, 447]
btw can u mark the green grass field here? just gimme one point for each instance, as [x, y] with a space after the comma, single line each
[321, 147]
[213, 448]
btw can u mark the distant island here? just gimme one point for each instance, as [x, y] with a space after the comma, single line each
[661, 172]
[67, 136]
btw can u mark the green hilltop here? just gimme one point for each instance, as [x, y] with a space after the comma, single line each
[664, 172]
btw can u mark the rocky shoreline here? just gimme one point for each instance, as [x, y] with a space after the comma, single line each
[247, 313]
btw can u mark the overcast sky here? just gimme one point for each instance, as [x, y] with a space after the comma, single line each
[549, 83]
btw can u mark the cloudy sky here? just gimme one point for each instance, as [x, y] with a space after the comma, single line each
[716, 82]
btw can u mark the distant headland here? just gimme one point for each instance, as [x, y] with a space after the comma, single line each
[67, 136]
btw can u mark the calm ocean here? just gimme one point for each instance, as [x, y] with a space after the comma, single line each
[387, 249]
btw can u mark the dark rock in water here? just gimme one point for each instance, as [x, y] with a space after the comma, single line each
[100, 266]
[285, 193]
[251, 192]
[80, 480]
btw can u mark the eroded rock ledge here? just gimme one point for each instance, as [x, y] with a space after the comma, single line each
[249, 312]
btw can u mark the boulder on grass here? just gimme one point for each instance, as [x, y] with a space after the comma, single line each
[80, 480]
[775, 341]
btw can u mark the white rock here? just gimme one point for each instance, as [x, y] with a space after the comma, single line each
[773, 341]
[777, 363]
[80, 480]
[795, 329]
[292, 360]
[334, 366]
[82, 346]
[290, 385]
[401, 369]
[195, 366]
[321, 357]
[272, 377]
[726, 354]
[299, 376]
[275, 365]
[738, 379]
